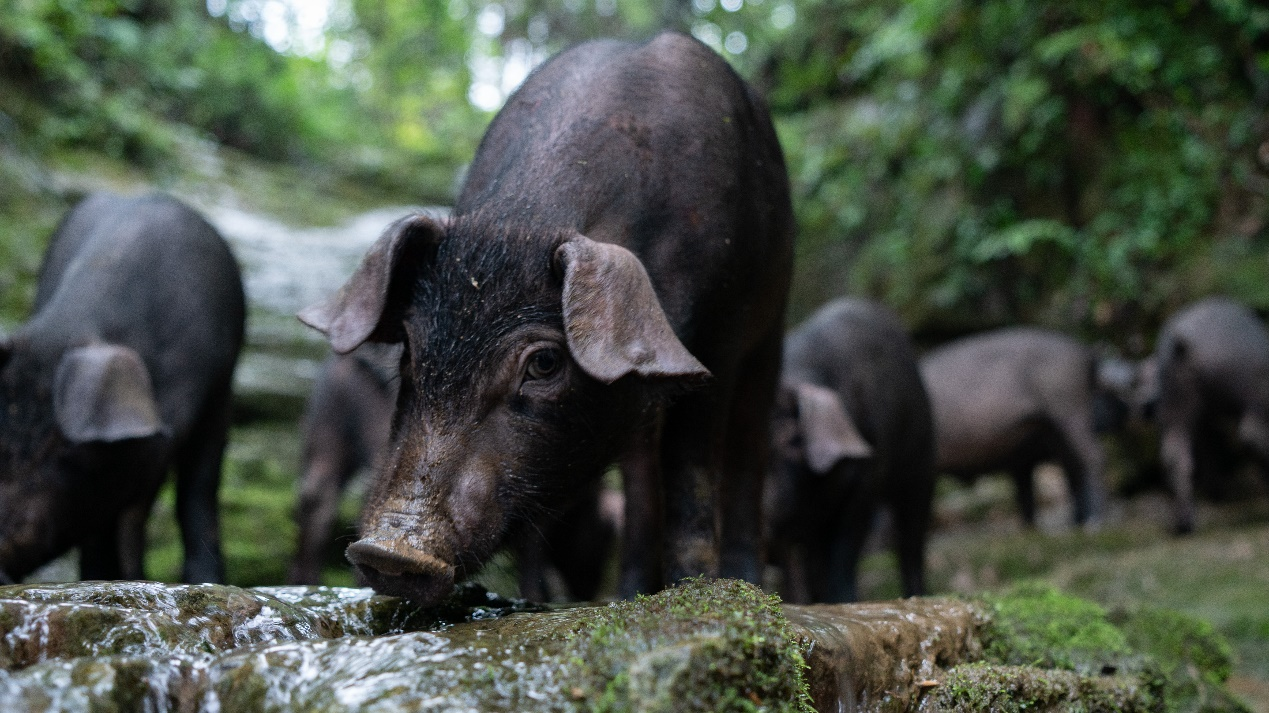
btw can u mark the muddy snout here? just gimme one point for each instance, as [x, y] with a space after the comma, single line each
[394, 568]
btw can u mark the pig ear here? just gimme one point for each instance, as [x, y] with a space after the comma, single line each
[828, 432]
[102, 393]
[369, 306]
[612, 319]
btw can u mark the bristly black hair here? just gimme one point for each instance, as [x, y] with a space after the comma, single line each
[486, 280]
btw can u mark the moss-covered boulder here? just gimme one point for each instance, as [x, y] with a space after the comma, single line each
[703, 646]
[1044, 650]
[1018, 689]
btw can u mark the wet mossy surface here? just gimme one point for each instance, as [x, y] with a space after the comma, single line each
[1044, 650]
[706, 645]
[1015, 689]
[1035, 625]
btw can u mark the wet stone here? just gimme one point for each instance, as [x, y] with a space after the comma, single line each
[136, 645]
[706, 645]
[884, 655]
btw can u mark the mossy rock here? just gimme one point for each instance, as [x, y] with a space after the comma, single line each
[1018, 689]
[1035, 625]
[1039, 635]
[705, 646]
[1190, 661]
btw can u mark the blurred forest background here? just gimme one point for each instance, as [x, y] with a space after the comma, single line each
[1088, 165]
[1084, 164]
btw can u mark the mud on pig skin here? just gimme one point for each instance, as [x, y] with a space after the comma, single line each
[122, 373]
[852, 432]
[624, 234]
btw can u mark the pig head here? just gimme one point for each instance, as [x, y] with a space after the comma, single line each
[64, 421]
[526, 359]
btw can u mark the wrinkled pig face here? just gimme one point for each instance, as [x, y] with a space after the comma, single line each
[521, 377]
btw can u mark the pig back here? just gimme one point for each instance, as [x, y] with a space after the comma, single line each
[1225, 343]
[659, 147]
[150, 274]
[988, 390]
[861, 350]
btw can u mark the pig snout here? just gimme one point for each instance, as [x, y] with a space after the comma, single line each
[395, 568]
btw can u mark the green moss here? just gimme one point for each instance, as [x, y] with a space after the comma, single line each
[1178, 663]
[1013, 689]
[648, 654]
[1192, 660]
[1033, 624]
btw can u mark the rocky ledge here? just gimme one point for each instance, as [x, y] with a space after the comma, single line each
[704, 646]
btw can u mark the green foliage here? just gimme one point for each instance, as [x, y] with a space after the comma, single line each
[1073, 163]
[127, 77]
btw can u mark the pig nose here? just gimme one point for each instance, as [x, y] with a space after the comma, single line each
[399, 570]
[394, 561]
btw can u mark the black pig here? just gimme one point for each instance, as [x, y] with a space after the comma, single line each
[1011, 399]
[624, 232]
[1212, 362]
[122, 372]
[852, 432]
[345, 427]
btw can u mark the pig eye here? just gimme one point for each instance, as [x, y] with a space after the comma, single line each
[544, 363]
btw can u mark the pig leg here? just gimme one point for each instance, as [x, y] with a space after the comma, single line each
[641, 541]
[531, 565]
[1253, 431]
[847, 544]
[99, 553]
[326, 473]
[197, 482]
[748, 442]
[118, 551]
[691, 460]
[1023, 475]
[1177, 452]
[1180, 413]
[1084, 462]
[132, 539]
[580, 544]
[798, 564]
[911, 508]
